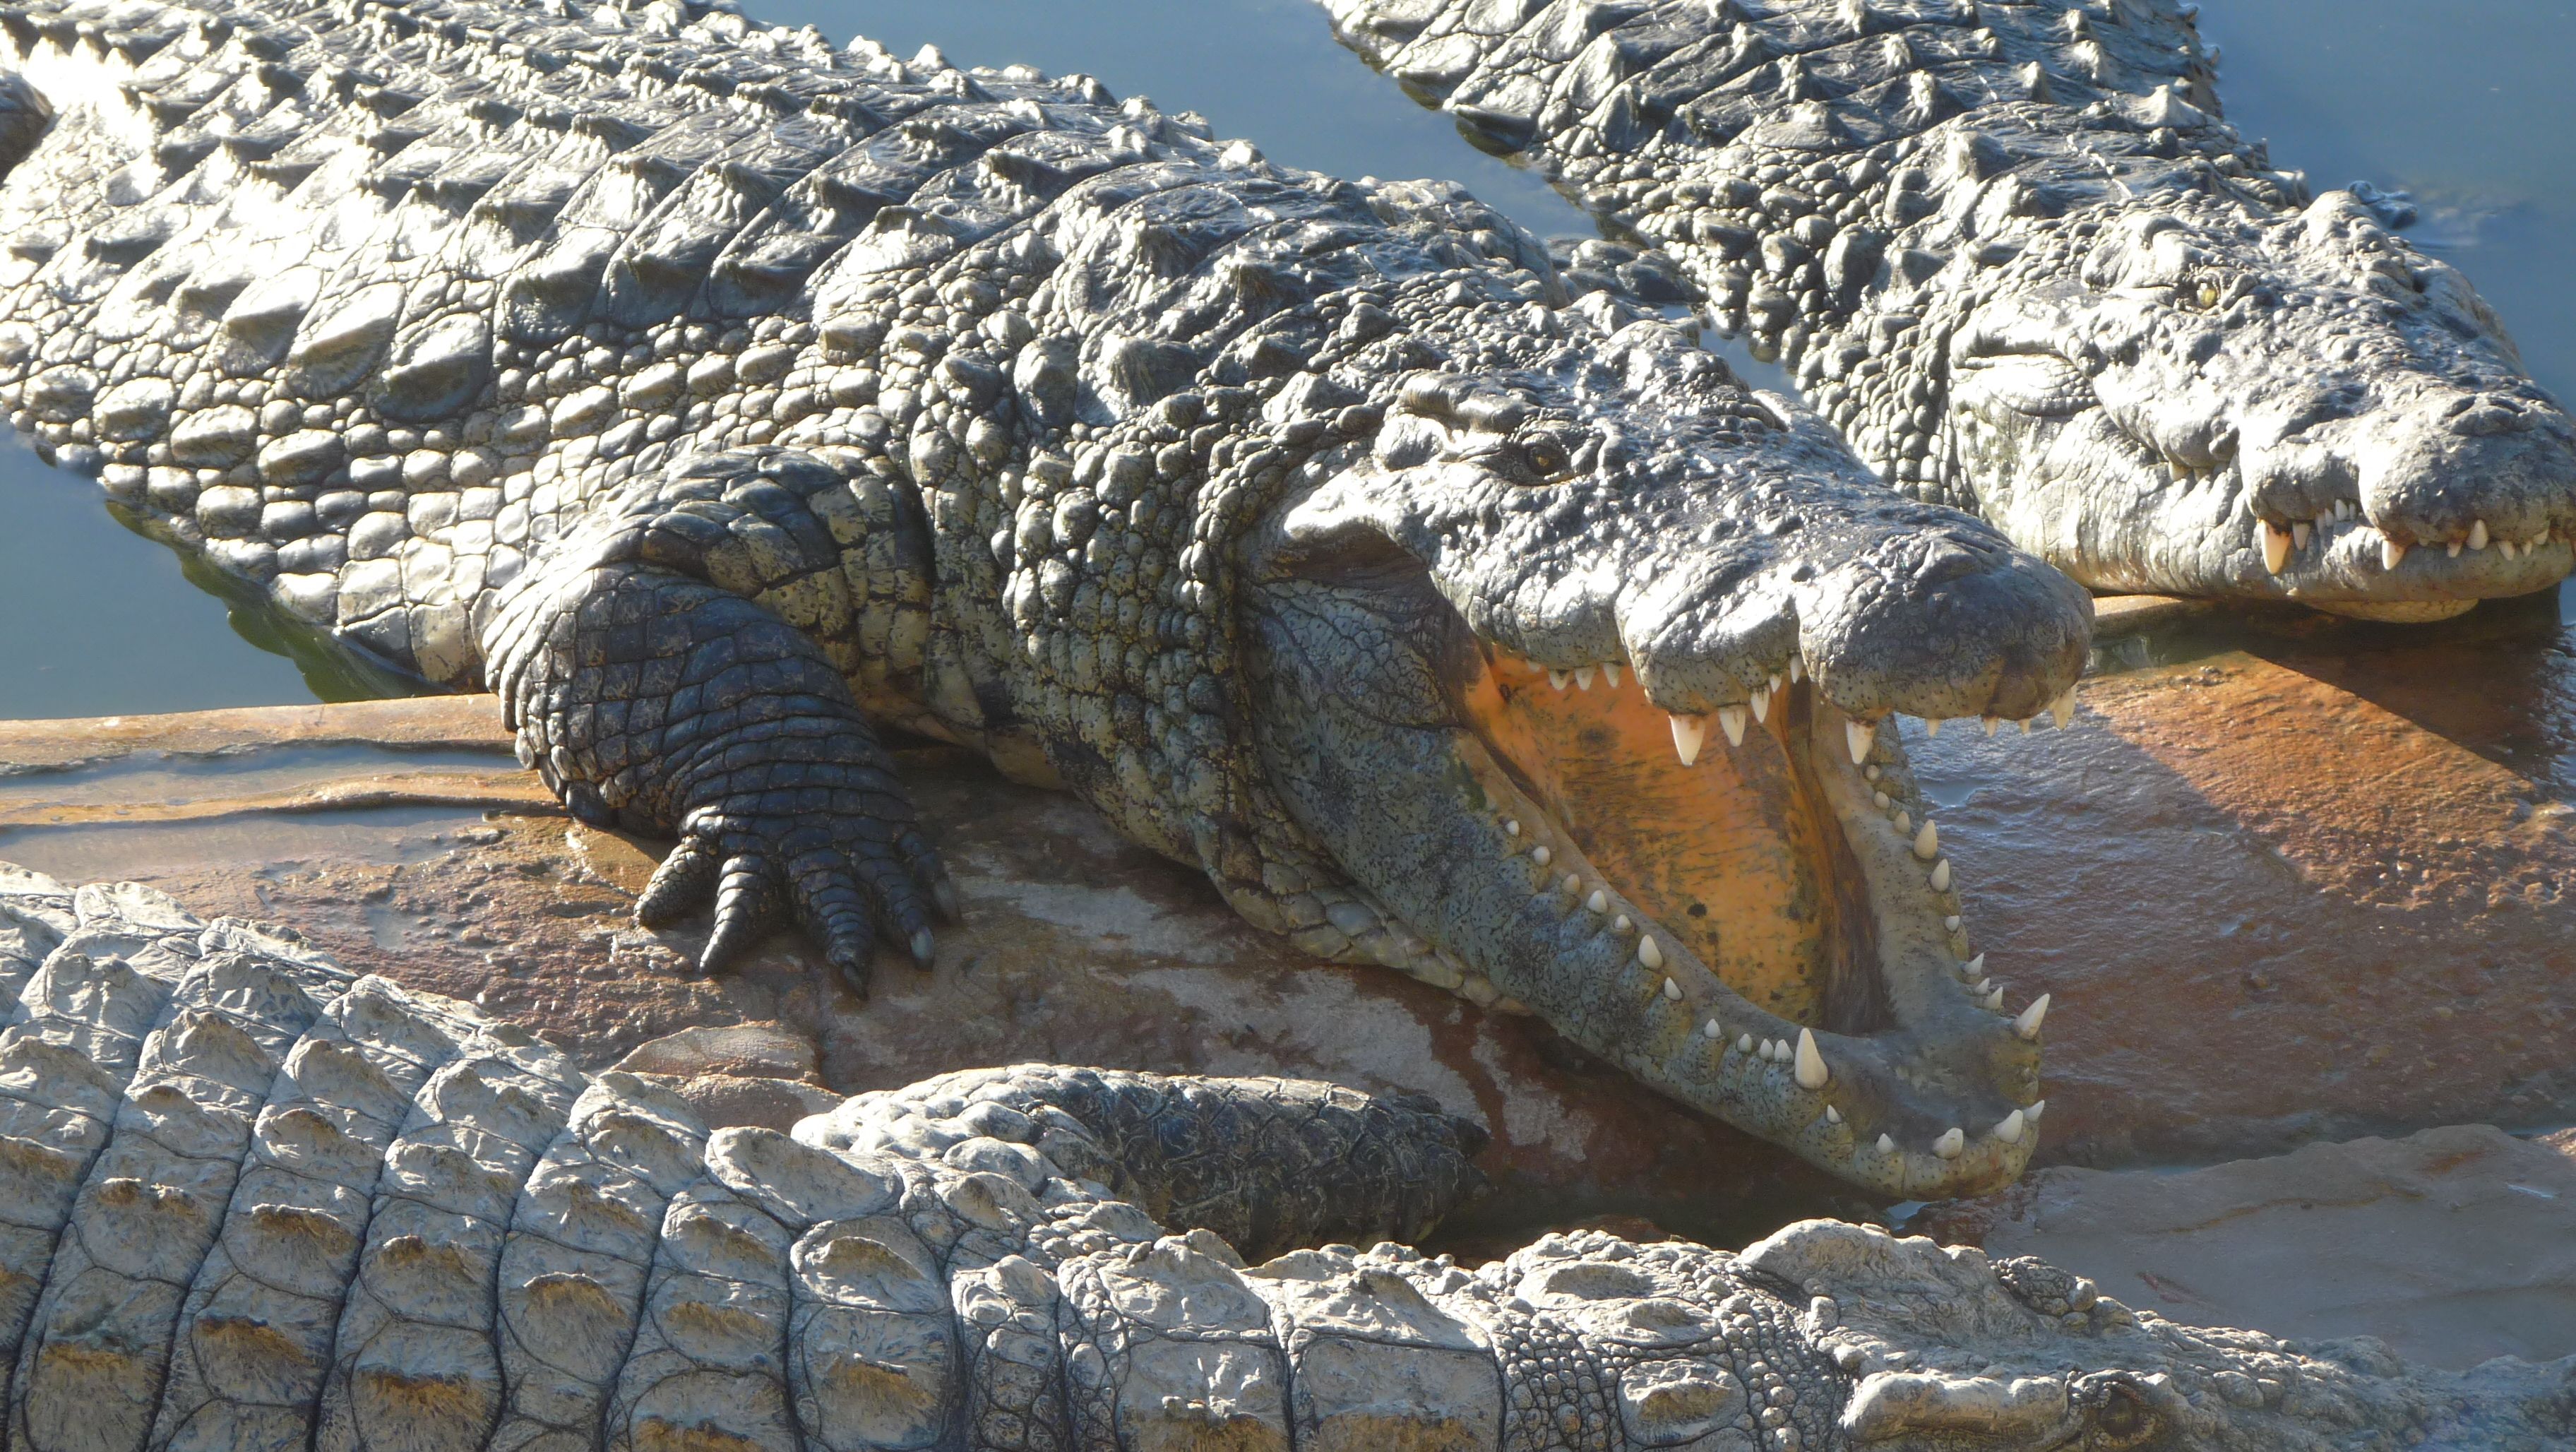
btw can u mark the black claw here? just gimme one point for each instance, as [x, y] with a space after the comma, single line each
[943, 896]
[853, 968]
[678, 884]
[923, 948]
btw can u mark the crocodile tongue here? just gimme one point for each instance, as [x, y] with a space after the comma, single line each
[1757, 920]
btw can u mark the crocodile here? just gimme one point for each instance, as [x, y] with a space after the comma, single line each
[719, 398]
[2011, 250]
[253, 1200]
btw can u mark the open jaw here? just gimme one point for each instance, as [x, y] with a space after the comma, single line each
[1748, 907]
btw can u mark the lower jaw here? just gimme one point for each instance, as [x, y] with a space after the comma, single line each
[1816, 913]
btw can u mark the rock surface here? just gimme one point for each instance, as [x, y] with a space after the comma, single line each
[2453, 1245]
[2286, 885]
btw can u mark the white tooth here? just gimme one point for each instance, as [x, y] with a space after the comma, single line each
[1886, 1145]
[1688, 733]
[1993, 724]
[1583, 678]
[1672, 991]
[1511, 829]
[1573, 885]
[1811, 1063]
[1951, 922]
[1995, 1000]
[1761, 704]
[1974, 967]
[1539, 854]
[1620, 924]
[2505, 547]
[1797, 670]
[1610, 673]
[1650, 952]
[1774, 1049]
[1869, 772]
[1941, 875]
[1775, 683]
[1952, 1141]
[2478, 535]
[2276, 545]
[1730, 719]
[2028, 1024]
[1599, 902]
[2025, 724]
[1984, 987]
[1491, 801]
[1904, 824]
[1858, 736]
[1556, 679]
[2063, 708]
[2391, 553]
[2452, 549]
[1931, 725]
[2343, 509]
[2009, 1131]
[1710, 1030]
[1927, 843]
[2299, 535]
[1744, 1043]
[1833, 1115]
[2033, 1112]
[1880, 799]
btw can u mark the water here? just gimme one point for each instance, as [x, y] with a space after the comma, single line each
[2464, 106]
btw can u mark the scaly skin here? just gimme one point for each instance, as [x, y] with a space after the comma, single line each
[2009, 247]
[714, 396]
[252, 1200]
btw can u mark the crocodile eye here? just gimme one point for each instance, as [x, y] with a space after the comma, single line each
[2202, 292]
[2122, 1416]
[1548, 459]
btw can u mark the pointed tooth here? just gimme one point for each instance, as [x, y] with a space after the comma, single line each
[1869, 772]
[1886, 1144]
[1941, 875]
[1833, 1115]
[1573, 885]
[1688, 733]
[1744, 1043]
[1953, 922]
[1610, 674]
[1992, 725]
[1927, 843]
[1931, 725]
[1797, 670]
[2478, 535]
[1583, 678]
[1904, 823]
[1512, 828]
[1620, 924]
[1994, 1000]
[1539, 854]
[1761, 704]
[2392, 553]
[1730, 719]
[1858, 737]
[2032, 1114]
[2062, 710]
[1881, 800]
[1556, 679]
[2299, 534]
[2276, 546]
[1711, 1030]
[1812, 1073]
[2027, 1025]
[2025, 724]
[2505, 547]
[1599, 902]
[1952, 1141]
[1650, 952]
[1672, 991]
[2452, 549]
[2009, 1131]
[1984, 986]
[1974, 968]
[1775, 683]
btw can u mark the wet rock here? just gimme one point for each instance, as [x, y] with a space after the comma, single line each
[2453, 1245]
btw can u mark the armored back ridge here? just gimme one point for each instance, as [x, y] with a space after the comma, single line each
[716, 397]
[2011, 249]
[249, 1199]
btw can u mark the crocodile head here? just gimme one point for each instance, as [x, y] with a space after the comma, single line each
[1942, 1348]
[1575, 668]
[2204, 400]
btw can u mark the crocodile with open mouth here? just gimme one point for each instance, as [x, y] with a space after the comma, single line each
[715, 396]
[2011, 250]
[252, 1200]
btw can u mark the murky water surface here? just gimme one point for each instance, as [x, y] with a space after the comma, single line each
[2463, 106]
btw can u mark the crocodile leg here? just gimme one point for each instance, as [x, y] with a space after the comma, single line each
[682, 668]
